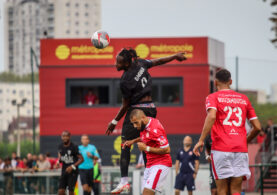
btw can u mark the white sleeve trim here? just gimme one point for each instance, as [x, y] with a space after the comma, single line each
[164, 146]
[253, 118]
[211, 108]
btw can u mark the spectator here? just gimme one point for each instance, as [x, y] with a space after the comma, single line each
[1, 164]
[8, 174]
[51, 160]
[22, 165]
[42, 163]
[29, 161]
[189, 167]
[268, 126]
[35, 159]
[261, 137]
[14, 162]
[91, 98]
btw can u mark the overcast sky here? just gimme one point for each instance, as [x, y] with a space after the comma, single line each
[242, 25]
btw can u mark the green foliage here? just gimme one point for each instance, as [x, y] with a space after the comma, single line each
[25, 147]
[266, 111]
[10, 77]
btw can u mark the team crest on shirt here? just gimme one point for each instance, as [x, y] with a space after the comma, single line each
[190, 153]
[155, 130]
[147, 134]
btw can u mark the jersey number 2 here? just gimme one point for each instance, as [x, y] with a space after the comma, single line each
[237, 111]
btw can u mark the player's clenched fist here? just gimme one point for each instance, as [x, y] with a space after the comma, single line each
[180, 56]
[110, 129]
[142, 146]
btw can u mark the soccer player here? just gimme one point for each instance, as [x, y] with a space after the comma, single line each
[189, 168]
[89, 154]
[208, 146]
[136, 88]
[227, 112]
[70, 158]
[154, 143]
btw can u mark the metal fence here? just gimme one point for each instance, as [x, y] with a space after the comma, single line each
[48, 182]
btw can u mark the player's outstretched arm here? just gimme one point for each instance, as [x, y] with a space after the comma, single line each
[123, 109]
[256, 128]
[160, 61]
[209, 121]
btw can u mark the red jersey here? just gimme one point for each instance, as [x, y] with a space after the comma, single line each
[154, 136]
[91, 99]
[228, 132]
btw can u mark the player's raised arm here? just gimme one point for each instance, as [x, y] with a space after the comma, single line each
[160, 61]
[123, 109]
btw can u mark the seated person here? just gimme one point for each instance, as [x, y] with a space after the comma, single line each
[91, 99]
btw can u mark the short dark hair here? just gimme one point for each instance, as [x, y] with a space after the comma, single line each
[67, 132]
[223, 75]
[135, 112]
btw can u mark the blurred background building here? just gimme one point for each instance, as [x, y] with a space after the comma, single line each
[10, 92]
[28, 21]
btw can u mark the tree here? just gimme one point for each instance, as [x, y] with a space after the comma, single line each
[273, 19]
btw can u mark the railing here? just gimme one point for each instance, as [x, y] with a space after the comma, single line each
[47, 182]
[266, 152]
[261, 169]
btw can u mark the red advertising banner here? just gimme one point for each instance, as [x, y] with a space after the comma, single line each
[82, 52]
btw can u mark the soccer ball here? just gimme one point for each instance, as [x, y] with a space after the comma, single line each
[100, 39]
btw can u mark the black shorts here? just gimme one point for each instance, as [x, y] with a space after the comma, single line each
[86, 176]
[129, 132]
[68, 180]
[183, 180]
[211, 179]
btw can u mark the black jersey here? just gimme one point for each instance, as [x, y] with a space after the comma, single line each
[68, 155]
[208, 144]
[136, 82]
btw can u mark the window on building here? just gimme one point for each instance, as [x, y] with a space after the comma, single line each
[77, 23]
[1, 111]
[77, 14]
[77, 5]
[86, 5]
[21, 93]
[14, 91]
[88, 92]
[77, 32]
[67, 4]
[106, 92]
[86, 14]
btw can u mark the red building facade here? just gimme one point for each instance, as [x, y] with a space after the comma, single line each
[72, 68]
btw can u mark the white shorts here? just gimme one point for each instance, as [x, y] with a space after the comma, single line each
[155, 177]
[230, 164]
